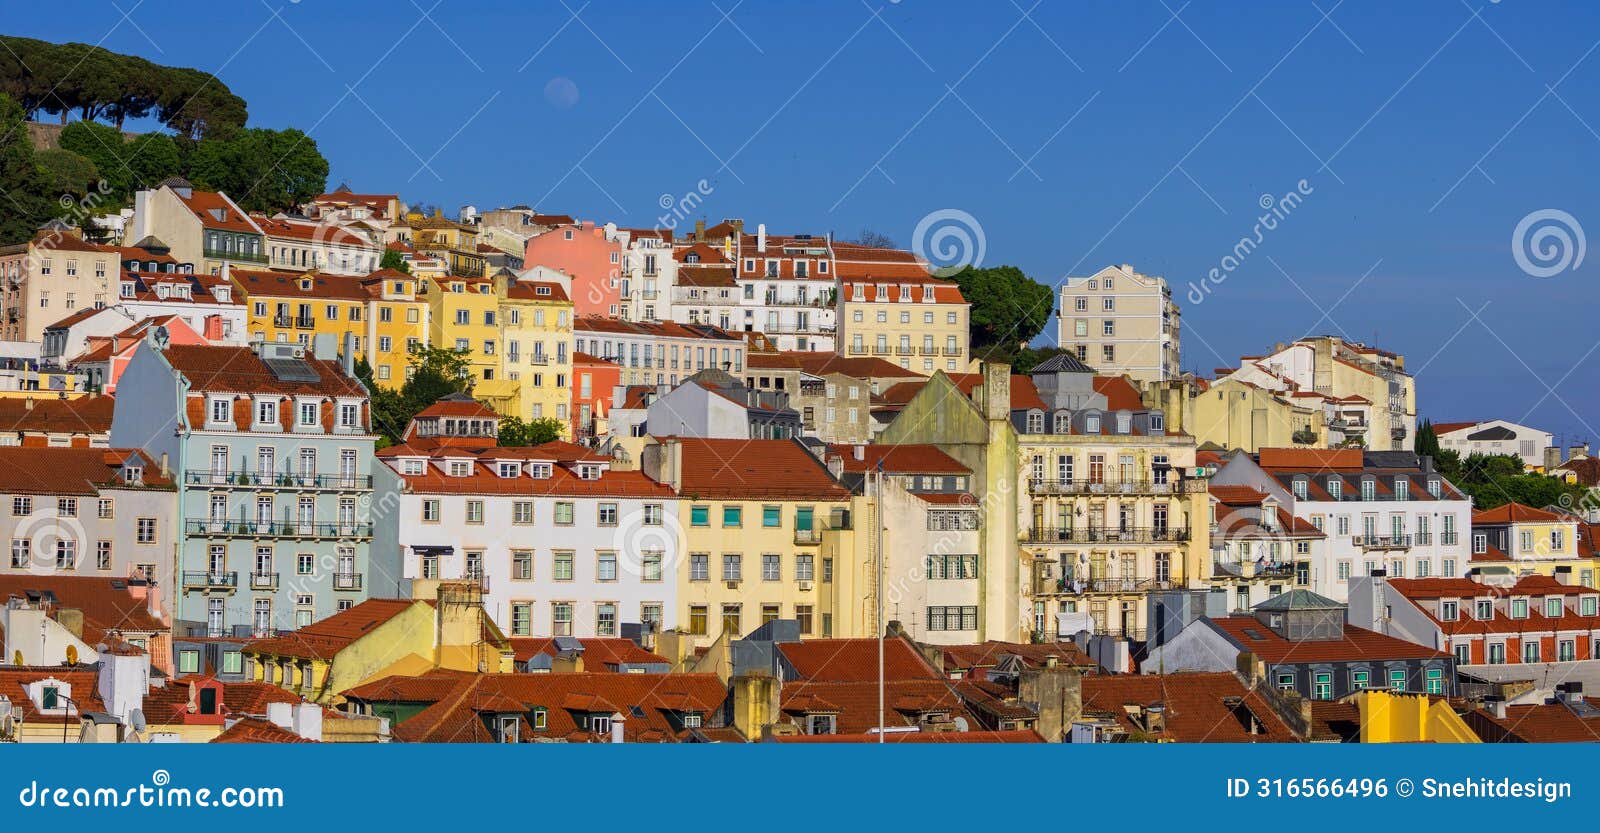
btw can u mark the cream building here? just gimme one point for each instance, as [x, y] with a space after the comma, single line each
[890, 307]
[1119, 321]
[1367, 398]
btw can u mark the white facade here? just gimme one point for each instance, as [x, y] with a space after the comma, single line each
[1496, 436]
[551, 563]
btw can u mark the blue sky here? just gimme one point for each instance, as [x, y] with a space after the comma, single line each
[1076, 134]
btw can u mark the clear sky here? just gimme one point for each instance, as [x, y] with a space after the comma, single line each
[1076, 134]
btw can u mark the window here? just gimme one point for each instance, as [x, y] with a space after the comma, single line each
[804, 567]
[67, 507]
[522, 512]
[1530, 650]
[732, 567]
[308, 414]
[561, 618]
[607, 514]
[102, 555]
[652, 514]
[650, 565]
[699, 567]
[430, 510]
[1519, 608]
[771, 567]
[605, 566]
[1589, 605]
[699, 516]
[145, 531]
[732, 516]
[189, 662]
[521, 618]
[1397, 680]
[1553, 607]
[1483, 609]
[771, 516]
[1359, 680]
[562, 567]
[522, 565]
[475, 512]
[803, 616]
[605, 619]
[1322, 685]
[1449, 611]
[697, 620]
[305, 563]
[564, 513]
[732, 613]
[22, 505]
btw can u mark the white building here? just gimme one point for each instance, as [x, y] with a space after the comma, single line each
[1379, 510]
[563, 544]
[1495, 436]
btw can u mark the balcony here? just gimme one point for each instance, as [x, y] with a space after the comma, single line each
[258, 480]
[224, 254]
[263, 581]
[905, 350]
[1117, 584]
[282, 321]
[1250, 569]
[538, 359]
[1382, 542]
[275, 529]
[305, 322]
[807, 537]
[858, 350]
[210, 581]
[346, 581]
[1093, 535]
[952, 351]
[1117, 487]
[880, 350]
[929, 351]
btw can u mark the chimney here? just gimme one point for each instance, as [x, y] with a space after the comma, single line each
[618, 724]
[165, 471]
[324, 347]
[1577, 452]
[699, 230]
[755, 702]
[347, 357]
[1056, 693]
[859, 450]
[1552, 457]
[281, 715]
[1496, 707]
[567, 662]
[307, 721]
[761, 237]
[996, 402]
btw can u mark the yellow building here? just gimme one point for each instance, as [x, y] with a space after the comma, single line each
[382, 310]
[1235, 414]
[536, 357]
[384, 637]
[464, 315]
[898, 312]
[1521, 540]
[456, 243]
[759, 523]
[1408, 718]
[1367, 397]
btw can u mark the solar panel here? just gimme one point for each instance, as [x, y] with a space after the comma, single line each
[291, 370]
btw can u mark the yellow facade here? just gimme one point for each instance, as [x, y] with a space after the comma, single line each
[1539, 547]
[1410, 718]
[737, 591]
[383, 311]
[536, 355]
[1235, 415]
[464, 315]
[456, 243]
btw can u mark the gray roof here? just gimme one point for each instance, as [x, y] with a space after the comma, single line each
[1299, 600]
[1062, 363]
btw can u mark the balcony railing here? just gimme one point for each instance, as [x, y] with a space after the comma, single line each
[347, 581]
[1381, 542]
[256, 480]
[210, 581]
[1422, 538]
[881, 350]
[905, 350]
[276, 529]
[305, 322]
[1447, 538]
[1092, 535]
[1117, 487]
[858, 350]
[952, 351]
[263, 581]
[224, 254]
[1250, 569]
[809, 536]
[1118, 584]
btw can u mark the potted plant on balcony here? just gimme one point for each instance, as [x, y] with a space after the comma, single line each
[1304, 436]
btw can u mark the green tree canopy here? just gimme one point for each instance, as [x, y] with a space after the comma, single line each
[1008, 309]
[514, 433]
[261, 169]
[393, 259]
[21, 178]
[67, 173]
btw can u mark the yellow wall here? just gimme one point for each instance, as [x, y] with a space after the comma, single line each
[1410, 718]
[359, 317]
[451, 295]
[537, 390]
[1235, 415]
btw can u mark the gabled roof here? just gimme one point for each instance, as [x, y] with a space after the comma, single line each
[906, 458]
[754, 469]
[257, 730]
[109, 605]
[854, 704]
[1516, 513]
[84, 415]
[599, 653]
[855, 660]
[1195, 707]
[239, 370]
[1357, 644]
[988, 654]
[72, 471]
[325, 638]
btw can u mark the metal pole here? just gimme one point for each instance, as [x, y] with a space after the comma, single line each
[877, 519]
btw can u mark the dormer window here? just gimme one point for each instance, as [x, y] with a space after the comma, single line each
[266, 412]
[1335, 488]
[1369, 489]
[1480, 543]
[1449, 610]
[1124, 422]
[1483, 610]
[133, 475]
[1519, 608]
[508, 469]
[1269, 515]
[1402, 488]
[588, 471]
[540, 471]
[412, 467]
[1091, 424]
[1433, 486]
[1035, 422]
[1300, 488]
[460, 468]
[221, 409]
[305, 284]
[1063, 422]
[1158, 422]
[1553, 607]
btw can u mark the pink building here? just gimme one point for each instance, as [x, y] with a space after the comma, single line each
[592, 255]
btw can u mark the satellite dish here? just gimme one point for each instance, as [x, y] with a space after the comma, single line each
[136, 720]
[960, 723]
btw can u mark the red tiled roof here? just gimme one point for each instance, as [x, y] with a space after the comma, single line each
[752, 469]
[1442, 428]
[987, 654]
[109, 605]
[485, 478]
[976, 736]
[1120, 394]
[240, 370]
[1516, 513]
[855, 660]
[203, 203]
[457, 408]
[327, 637]
[71, 471]
[818, 363]
[855, 704]
[599, 654]
[1236, 495]
[1357, 644]
[657, 329]
[908, 458]
[1424, 592]
[524, 290]
[1310, 459]
[14, 680]
[1541, 723]
[256, 730]
[84, 415]
[1197, 708]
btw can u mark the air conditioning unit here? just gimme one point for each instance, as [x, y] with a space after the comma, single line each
[805, 586]
[732, 585]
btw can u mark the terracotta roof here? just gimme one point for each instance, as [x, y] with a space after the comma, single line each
[14, 680]
[1236, 495]
[1516, 513]
[657, 329]
[1357, 644]
[1120, 394]
[855, 660]
[325, 638]
[546, 291]
[311, 230]
[1425, 592]
[1310, 459]
[109, 605]
[68, 242]
[987, 654]
[240, 370]
[976, 736]
[706, 276]
[271, 283]
[457, 406]
[754, 469]
[256, 730]
[1197, 708]
[1542, 723]
[818, 363]
[72, 471]
[706, 253]
[1440, 428]
[216, 211]
[84, 415]
[908, 458]
[485, 477]
[855, 704]
[599, 654]
[454, 718]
